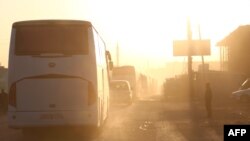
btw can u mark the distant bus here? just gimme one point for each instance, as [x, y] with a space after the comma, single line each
[126, 73]
[58, 75]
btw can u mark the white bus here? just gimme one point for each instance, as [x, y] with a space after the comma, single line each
[58, 75]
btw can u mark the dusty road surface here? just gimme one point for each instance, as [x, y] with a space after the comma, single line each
[150, 119]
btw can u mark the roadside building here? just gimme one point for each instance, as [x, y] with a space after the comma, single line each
[235, 51]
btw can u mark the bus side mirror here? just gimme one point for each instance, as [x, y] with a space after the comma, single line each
[111, 65]
[108, 55]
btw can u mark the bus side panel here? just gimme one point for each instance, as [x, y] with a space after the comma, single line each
[102, 76]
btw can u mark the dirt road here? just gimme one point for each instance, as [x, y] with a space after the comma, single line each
[151, 119]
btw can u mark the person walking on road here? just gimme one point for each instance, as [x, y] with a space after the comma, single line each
[208, 100]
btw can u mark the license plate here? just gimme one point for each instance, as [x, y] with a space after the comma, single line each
[51, 116]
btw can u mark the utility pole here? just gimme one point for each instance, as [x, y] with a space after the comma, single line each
[191, 48]
[117, 54]
[190, 70]
[202, 57]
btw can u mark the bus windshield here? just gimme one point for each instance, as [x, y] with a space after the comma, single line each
[40, 39]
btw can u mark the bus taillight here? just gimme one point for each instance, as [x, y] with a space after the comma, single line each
[92, 96]
[12, 95]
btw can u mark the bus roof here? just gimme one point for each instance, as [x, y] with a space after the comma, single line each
[46, 22]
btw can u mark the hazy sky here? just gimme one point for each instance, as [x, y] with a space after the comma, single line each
[144, 29]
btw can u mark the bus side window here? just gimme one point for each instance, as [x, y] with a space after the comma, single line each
[97, 49]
